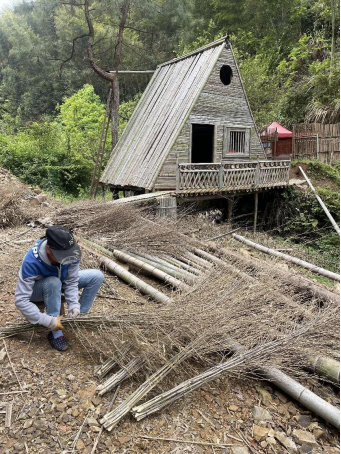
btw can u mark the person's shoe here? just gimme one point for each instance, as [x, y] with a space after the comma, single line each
[59, 343]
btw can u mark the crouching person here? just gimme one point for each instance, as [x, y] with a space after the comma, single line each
[50, 269]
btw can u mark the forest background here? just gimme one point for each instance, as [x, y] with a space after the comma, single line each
[52, 103]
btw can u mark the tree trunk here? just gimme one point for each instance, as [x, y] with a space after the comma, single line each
[115, 83]
[112, 77]
[333, 31]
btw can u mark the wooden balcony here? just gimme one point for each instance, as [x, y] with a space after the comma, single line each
[232, 176]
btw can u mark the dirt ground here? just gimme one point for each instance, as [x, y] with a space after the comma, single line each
[56, 408]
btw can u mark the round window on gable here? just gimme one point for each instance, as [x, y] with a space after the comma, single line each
[226, 74]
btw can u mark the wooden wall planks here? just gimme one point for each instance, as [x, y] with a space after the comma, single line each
[220, 105]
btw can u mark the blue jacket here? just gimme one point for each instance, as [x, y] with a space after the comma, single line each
[36, 266]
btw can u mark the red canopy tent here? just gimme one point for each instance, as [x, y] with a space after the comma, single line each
[281, 143]
[281, 131]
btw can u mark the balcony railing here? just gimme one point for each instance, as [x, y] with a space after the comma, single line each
[232, 176]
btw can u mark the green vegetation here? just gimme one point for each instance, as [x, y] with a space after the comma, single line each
[300, 220]
[52, 103]
[56, 153]
[321, 170]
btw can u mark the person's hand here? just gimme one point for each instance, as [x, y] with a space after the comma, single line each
[56, 323]
[73, 313]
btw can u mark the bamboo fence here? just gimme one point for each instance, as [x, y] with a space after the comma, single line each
[317, 141]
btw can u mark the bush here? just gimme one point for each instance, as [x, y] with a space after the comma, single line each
[57, 154]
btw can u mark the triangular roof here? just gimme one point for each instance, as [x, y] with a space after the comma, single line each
[159, 116]
[281, 131]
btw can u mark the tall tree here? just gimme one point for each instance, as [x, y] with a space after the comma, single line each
[111, 77]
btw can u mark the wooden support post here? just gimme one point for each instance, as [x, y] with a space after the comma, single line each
[167, 207]
[114, 193]
[177, 173]
[293, 142]
[229, 209]
[255, 213]
[103, 193]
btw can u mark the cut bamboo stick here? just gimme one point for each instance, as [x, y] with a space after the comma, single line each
[111, 419]
[288, 258]
[189, 442]
[326, 367]
[146, 267]
[128, 277]
[101, 430]
[105, 368]
[325, 209]
[281, 380]
[130, 369]
[183, 265]
[134, 281]
[299, 282]
[178, 274]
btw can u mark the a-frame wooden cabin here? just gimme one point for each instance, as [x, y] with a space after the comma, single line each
[193, 131]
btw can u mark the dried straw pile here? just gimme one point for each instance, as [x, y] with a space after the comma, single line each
[125, 226]
[16, 208]
[239, 301]
[13, 211]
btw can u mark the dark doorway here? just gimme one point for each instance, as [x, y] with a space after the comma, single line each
[202, 143]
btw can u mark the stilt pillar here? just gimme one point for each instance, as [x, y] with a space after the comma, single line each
[114, 193]
[167, 207]
[255, 214]
[229, 209]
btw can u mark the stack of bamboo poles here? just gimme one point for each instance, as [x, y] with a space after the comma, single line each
[207, 305]
[197, 262]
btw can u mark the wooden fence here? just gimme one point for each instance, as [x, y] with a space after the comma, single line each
[316, 141]
[243, 175]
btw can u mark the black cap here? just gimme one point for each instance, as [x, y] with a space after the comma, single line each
[63, 245]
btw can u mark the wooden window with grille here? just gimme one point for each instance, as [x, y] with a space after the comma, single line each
[236, 142]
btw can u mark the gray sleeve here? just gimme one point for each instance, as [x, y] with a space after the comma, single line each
[71, 286]
[29, 310]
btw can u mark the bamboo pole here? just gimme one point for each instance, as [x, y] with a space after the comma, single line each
[298, 281]
[326, 367]
[182, 265]
[149, 269]
[323, 206]
[288, 258]
[163, 262]
[305, 397]
[179, 274]
[209, 257]
[134, 281]
[281, 380]
[206, 265]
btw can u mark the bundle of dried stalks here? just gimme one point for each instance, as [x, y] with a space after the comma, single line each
[240, 312]
[14, 209]
[126, 227]
[226, 303]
